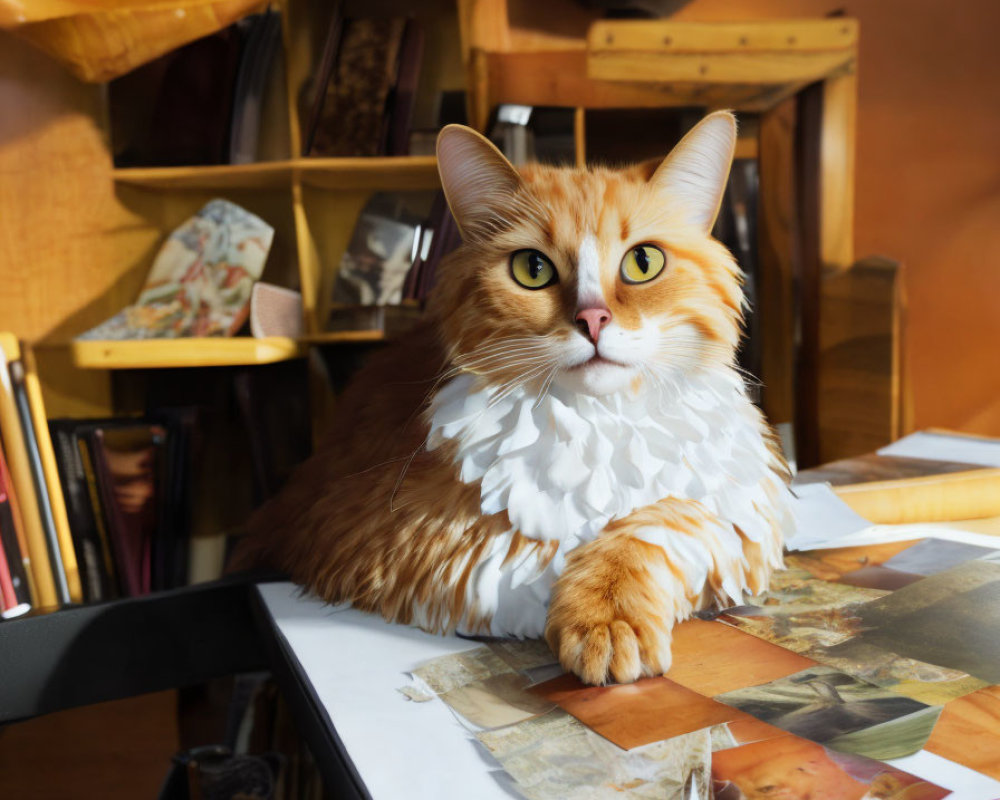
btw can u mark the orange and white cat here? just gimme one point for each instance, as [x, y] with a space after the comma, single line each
[566, 448]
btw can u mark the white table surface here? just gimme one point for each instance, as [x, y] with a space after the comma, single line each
[356, 662]
[402, 749]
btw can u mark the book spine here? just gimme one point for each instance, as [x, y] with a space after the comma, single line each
[16, 450]
[128, 551]
[57, 501]
[41, 489]
[404, 97]
[19, 547]
[15, 595]
[95, 502]
[324, 73]
[83, 529]
[8, 598]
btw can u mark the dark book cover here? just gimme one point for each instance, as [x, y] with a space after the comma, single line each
[177, 109]
[172, 542]
[320, 85]
[128, 466]
[403, 96]
[97, 580]
[354, 109]
[262, 35]
[100, 519]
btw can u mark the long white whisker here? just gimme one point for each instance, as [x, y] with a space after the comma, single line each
[547, 384]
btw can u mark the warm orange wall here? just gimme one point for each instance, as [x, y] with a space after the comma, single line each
[928, 183]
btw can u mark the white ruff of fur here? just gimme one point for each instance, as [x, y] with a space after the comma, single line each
[565, 465]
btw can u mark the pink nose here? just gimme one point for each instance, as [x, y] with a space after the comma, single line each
[591, 320]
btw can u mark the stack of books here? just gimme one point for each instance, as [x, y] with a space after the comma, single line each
[38, 565]
[90, 510]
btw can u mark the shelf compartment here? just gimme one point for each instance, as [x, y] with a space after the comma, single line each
[187, 352]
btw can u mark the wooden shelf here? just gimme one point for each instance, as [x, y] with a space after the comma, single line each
[262, 175]
[192, 352]
[344, 337]
[389, 172]
[206, 351]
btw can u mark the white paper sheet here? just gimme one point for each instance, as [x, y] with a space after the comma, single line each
[941, 447]
[821, 517]
[823, 520]
[965, 784]
[880, 534]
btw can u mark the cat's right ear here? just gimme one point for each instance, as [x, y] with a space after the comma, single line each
[478, 181]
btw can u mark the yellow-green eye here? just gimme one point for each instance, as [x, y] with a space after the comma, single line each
[532, 269]
[642, 263]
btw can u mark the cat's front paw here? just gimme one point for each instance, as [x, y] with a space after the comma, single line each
[615, 651]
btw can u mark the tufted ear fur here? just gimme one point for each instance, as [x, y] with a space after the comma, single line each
[478, 181]
[694, 175]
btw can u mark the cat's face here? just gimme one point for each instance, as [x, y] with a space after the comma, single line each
[597, 280]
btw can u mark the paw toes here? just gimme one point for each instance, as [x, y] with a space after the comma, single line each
[654, 647]
[596, 655]
[626, 664]
[619, 650]
[570, 643]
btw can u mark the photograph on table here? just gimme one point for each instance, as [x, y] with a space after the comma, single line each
[487, 686]
[878, 576]
[951, 619]
[796, 769]
[497, 701]
[555, 756]
[931, 556]
[635, 714]
[822, 620]
[824, 705]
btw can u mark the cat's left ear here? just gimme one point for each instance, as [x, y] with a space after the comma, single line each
[694, 175]
[478, 181]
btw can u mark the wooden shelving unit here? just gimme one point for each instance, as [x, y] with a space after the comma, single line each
[92, 230]
[312, 203]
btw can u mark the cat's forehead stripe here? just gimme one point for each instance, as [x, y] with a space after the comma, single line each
[588, 274]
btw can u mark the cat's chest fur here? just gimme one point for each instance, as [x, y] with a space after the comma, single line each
[564, 465]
